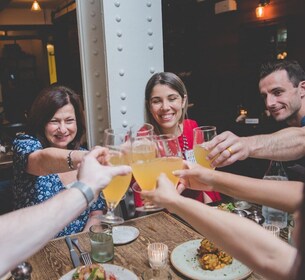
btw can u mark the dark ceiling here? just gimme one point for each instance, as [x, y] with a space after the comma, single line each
[24, 4]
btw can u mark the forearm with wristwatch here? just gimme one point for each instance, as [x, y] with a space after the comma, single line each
[86, 191]
[82, 187]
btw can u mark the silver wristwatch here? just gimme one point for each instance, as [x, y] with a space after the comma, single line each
[85, 190]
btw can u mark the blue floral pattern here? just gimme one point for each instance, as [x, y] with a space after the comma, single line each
[30, 189]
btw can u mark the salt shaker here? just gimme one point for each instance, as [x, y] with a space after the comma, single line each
[256, 217]
[22, 271]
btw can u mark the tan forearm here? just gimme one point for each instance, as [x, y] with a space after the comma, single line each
[286, 144]
[52, 160]
[32, 227]
[234, 235]
[285, 195]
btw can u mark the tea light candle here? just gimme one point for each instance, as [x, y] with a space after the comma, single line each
[156, 258]
[273, 229]
[157, 255]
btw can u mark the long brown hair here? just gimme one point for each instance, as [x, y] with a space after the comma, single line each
[46, 105]
[174, 82]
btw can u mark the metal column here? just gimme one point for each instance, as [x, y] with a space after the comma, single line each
[121, 46]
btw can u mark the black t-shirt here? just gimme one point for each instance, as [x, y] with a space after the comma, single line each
[295, 169]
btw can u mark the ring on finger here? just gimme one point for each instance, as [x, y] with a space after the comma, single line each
[230, 151]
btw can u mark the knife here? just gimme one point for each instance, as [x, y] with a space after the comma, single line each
[73, 254]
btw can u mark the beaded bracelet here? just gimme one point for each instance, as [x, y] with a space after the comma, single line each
[69, 160]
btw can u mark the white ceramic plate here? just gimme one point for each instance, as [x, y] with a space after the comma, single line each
[119, 272]
[184, 259]
[124, 234]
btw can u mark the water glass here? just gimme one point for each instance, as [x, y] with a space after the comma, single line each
[102, 248]
[275, 217]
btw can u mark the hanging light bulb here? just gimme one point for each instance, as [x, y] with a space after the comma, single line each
[35, 7]
[260, 10]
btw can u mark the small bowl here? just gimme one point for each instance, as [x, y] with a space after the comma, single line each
[240, 213]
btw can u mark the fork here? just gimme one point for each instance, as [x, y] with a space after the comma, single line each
[84, 255]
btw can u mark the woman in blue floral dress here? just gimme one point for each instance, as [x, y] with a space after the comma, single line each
[46, 157]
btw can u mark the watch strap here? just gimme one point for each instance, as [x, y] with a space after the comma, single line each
[85, 190]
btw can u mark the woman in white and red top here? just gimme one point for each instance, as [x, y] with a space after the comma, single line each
[166, 108]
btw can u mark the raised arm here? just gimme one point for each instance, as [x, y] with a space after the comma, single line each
[25, 231]
[285, 195]
[240, 237]
[53, 160]
[283, 145]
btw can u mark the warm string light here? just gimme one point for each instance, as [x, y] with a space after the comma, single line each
[260, 10]
[282, 55]
[35, 7]
[243, 112]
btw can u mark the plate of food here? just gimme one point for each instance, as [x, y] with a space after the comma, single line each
[201, 259]
[228, 207]
[124, 234]
[100, 272]
[232, 207]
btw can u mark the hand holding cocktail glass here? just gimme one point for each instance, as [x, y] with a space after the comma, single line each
[203, 134]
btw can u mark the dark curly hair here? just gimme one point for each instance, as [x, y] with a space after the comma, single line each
[294, 70]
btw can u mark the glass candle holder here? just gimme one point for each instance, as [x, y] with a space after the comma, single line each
[157, 255]
[272, 229]
[157, 258]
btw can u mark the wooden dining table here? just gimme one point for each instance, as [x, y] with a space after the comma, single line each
[53, 260]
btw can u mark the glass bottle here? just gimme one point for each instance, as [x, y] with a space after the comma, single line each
[274, 216]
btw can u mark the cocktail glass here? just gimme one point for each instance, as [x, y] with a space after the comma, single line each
[151, 157]
[141, 130]
[119, 145]
[203, 134]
